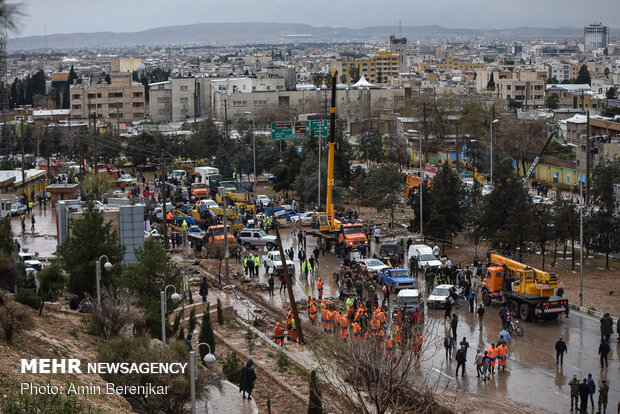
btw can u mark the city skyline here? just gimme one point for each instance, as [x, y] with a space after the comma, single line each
[43, 17]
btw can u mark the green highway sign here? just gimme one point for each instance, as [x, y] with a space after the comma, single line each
[298, 129]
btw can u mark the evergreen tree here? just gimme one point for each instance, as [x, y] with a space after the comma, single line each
[191, 323]
[66, 96]
[583, 76]
[206, 334]
[446, 218]
[553, 101]
[491, 83]
[315, 401]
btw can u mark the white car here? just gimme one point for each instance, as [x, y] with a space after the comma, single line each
[151, 234]
[274, 261]
[263, 199]
[305, 219]
[209, 203]
[375, 265]
[438, 296]
[537, 199]
[30, 261]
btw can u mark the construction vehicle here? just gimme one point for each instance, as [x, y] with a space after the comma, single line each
[528, 292]
[200, 190]
[212, 240]
[324, 224]
[535, 162]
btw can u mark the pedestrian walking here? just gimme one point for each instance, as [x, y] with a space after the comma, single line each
[377, 234]
[470, 298]
[560, 348]
[480, 312]
[465, 344]
[305, 268]
[448, 343]
[461, 359]
[245, 264]
[503, 337]
[454, 324]
[447, 309]
[282, 283]
[270, 281]
[602, 397]
[386, 293]
[607, 327]
[591, 389]
[574, 392]
[486, 364]
[22, 219]
[32, 220]
[584, 391]
[492, 354]
[204, 289]
[603, 350]
[478, 362]
[248, 376]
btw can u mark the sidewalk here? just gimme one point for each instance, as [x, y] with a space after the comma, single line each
[229, 401]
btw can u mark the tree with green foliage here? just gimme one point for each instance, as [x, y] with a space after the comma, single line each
[52, 283]
[583, 76]
[232, 368]
[354, 73]
[250, 338]
[206, 334]
[414, 224]
[90, 238]
[605, 221]
[287, 169]
[473, 215]
[370, 145]
[611, 93]
[543, 229]
[66, 95]
[447, 214]
[514, 105]
[191, 323]
[385, 188]
[552, 101]
[610, 111]
[565, 221]
[491, 83]
[315, 400]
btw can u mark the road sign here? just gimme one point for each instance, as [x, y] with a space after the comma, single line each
[282, 130]
[298, 129]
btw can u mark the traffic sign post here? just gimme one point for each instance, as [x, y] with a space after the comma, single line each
[282, 130]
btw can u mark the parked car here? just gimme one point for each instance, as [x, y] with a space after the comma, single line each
[209, 203]
[425, 256]
[391, 250]
[30, 260]
[375, 266]
[151, 234]
[263, 199]
[257, 238]
[274, 261]
[437, 298]
[397, 279]
[408, 301]
[17, 209]
[304, 219]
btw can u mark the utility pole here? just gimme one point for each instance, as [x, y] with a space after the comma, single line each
[581, 206]
[289, 285]
[226, 252]
[163, 196]
[588, 162]
[319, 178]
[424, 124]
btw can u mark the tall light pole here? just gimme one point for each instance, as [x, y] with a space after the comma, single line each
[226, 252]
[107, 266]
[580, 238]
[208, 359]
[253, 150]
[175, 298]
[495, 121]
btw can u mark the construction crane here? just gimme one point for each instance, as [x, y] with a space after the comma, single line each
[535, 162]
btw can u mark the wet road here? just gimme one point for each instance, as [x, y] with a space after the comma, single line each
[43, 238]
[531, 376]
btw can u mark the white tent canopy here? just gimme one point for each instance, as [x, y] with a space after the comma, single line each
[363, 83]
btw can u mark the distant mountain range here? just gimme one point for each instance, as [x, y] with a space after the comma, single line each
[231, 33]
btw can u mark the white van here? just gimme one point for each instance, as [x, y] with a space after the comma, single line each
[408, 300]
[207, 172]
[424, 255]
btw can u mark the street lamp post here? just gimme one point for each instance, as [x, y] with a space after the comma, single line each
[107, 266]
[253, 151]
[226, 252]
[495, 121]
[175, 298]
[209, 359]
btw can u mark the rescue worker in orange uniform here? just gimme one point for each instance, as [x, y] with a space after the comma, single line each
[417, 345]
[326, 317]
[502, 354]
[278, 334]
[312, 312]
[344, 327]
[319, 287]
[289, 325]
[358, 314]
[492, 354]
[389, 346]
[357, 332]
[396, 333]
[294, 332]
[169, 216]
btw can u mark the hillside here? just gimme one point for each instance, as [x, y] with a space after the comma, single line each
[55, 335]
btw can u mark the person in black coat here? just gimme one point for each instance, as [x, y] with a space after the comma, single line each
[204, 289]
[248, 376]
[603, 350]
[560, 348]
[461, 359]
[584, 391]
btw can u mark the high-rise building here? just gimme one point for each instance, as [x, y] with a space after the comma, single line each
[595, 36]
[399, 46]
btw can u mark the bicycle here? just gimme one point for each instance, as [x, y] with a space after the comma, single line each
[514, 326]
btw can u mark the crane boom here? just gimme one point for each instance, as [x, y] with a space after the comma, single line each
[535, 162]
[329, 205]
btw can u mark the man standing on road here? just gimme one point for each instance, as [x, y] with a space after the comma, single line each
[447, 309]
[480, 312]
[602, 397]
[560, 348]
[448, 343]
[584, 391]
[603, 350]
[377, 234]
[454, 324]
[413, 265]
[574, 393]
[591, 389]
[461, 359]
[492, 354]
[478, 362]
[607, 327]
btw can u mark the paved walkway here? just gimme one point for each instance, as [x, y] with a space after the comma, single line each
[229, 401]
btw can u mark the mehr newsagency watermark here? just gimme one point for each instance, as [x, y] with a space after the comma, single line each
[74, 366]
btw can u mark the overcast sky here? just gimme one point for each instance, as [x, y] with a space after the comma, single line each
[68, 16]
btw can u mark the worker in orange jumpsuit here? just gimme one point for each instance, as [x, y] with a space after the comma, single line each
[396, 333]
[289, 326]
[389, 346]
[312, 312]
[278, 334]
[319, 287]
[357, 332]
[294, 332]
[326, 316]
[169, 216]
[381, 316]
[380, 337]
[502, 354]
[492, 354]
[344, 327]
[417, 345]
[350, 314]
[358, 314]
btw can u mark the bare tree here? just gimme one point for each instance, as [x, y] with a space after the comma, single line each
[13, 319]
[521, 139]
[372, 380]
[116, 313]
